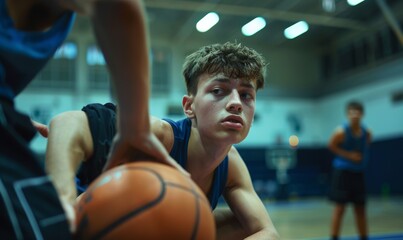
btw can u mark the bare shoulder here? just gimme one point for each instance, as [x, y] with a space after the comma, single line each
[159, 126]
[163, 131]
[233, 154]
[338, 133]
[339, 130]
[238, 173]
[70, 116]
[75, 122]
[235, 161]
[72, 127]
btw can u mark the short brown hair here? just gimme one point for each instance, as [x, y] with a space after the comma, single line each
[355, 105]
[232, 59]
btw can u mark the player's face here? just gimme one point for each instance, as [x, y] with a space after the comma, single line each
[224, 107]
[354, 115]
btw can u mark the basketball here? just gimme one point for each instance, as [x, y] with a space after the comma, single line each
[144, 200]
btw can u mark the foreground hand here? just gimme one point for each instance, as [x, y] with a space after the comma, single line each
[355, 156]
[70, 212]
[41, 128]
[146, 147]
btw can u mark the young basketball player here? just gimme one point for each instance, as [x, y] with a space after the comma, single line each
[30, 33]
[350, 144]
[222, 81]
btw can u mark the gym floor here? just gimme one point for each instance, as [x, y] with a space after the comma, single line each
[310, 219]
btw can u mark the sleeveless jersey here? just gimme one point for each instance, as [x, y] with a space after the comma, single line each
[179, 152]
[353, 143]
[23, 54]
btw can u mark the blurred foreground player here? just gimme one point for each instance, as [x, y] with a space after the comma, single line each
[30, 33]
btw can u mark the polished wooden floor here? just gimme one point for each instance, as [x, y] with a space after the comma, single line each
[310, 218]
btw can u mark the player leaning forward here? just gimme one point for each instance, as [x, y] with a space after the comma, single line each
[222, 81]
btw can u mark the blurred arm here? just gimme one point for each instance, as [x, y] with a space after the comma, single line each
[122, 34]
[69, 143]
[334, 145]
[41, 128]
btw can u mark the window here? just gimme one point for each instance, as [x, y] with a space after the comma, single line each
[60, 70]
[161, 64]
[98, 74]
[345, 58]
[99, 77]
[395, 45]
[326, 66]
[362, 52]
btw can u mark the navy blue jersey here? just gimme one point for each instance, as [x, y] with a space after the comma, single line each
[179, 152]
[353, 143]
[29, 204]
[23, 54]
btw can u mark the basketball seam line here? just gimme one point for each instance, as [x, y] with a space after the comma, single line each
[137, 211]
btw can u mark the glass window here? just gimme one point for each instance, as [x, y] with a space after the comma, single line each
[161, 59]
[98, 74]
[60, 70]
[67, 51]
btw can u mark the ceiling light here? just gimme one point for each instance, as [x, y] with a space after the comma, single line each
[295, 30]
[253, 26]
[354, 2]
[207, 22]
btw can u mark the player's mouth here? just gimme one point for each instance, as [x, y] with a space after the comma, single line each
[233, 122]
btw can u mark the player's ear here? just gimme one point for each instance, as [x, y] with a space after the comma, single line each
[187, 105]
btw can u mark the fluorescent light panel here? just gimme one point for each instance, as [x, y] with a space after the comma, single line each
[253, 26]
[295, 30]
[354, 2]
[207, 22]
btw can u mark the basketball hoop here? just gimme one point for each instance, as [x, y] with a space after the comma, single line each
[281, 159]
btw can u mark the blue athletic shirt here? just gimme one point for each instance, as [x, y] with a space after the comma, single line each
[23, 54]
[179, 152]
[353, 143]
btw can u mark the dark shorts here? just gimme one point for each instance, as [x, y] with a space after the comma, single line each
[102, 123]
[29, 205]
[347, 187]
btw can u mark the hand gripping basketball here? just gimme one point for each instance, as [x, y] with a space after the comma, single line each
[144, 200]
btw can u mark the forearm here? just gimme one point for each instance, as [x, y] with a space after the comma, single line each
[262, 228]
[64, 153]
[354, 156]
[265, 234]
[339, 151]
[122, 35]
[229, 227]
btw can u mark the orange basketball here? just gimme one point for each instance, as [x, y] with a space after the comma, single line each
[144, 200]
